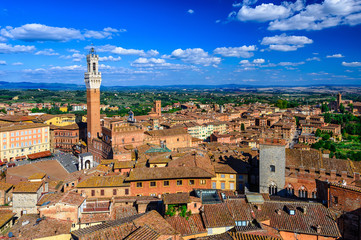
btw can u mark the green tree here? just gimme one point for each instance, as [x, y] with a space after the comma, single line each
[318, 133]
[342, 108]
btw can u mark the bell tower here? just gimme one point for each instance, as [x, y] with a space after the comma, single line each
[93, 79]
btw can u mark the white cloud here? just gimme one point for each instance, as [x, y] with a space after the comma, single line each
[313, 59]
[109, 59]
[195, 56]
[2, 62]
[124, 51]
[97, 34]
[8, 48]
[109, 29]
[284, 39]
[290, 63]
[77, 57]
[40, 32]
[338, 55]
[244, 51]
[47, 52]
[190, 11]
[259, 61]
[263, 12]
[17, 63]
[286, 43]
[158, 63]
[317, 16]
[351, 64]
[69, 68]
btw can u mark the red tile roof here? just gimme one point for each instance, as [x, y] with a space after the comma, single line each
[191, 226]
[217, 215]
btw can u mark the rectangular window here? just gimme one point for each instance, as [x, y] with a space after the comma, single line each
[153, 184]
[240, 177]
[114, 191]
[222, 176]
[179, 182]
[102, 192]
[231, 186]
[202, 182]
[272, 168]
[93, 193]
[139, 184]
[223, 185]
[231, 176]
[166, 183]
[214, 185]
[126, 191]
[191, 182]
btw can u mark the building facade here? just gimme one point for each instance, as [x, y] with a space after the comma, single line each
[19, 140]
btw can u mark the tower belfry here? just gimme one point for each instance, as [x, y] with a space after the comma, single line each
[93, 79]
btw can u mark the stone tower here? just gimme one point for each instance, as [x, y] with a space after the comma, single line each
[93, 79]
[158, 107]
[339, 100]
[272, 165]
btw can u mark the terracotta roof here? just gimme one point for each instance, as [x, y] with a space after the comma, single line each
[167, 132]
[143, 233]
[124, 164]
[217, 215]
[191, 226]
[39, 155]
[95, 217]
[45, 228]
[119, 212]
[5, 217]
[20, 126]
[239, 236]
[27, 187]
[301, 222]
[313, 159]
[69, 198]
[36, 176]
[138, 174]
[176, 198]
[5, 186]
[239, 209]
[348, 187]
[192, 160]
[121, 228]
[103, 181]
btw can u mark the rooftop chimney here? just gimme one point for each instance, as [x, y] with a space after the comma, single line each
[318, 228]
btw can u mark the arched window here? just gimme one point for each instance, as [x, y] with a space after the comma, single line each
[273, 190]
[314, 194]
[302, 192]
[290, 190]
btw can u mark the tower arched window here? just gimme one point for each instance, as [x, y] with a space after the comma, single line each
[290, 190]
[273, 190]
[94, 67]
[302, 192]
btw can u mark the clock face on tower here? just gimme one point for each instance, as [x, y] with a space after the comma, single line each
[88, 134]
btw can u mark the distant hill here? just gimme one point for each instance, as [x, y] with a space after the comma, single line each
[66, 86]
[31, 85]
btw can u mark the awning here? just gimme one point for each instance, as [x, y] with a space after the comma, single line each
[39, 155]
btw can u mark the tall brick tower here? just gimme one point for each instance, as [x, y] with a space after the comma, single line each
[339, 100]
[158, 107]
[93, 79]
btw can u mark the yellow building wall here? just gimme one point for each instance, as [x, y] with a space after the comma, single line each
[61, 121]
[227, 179]
[63, 109]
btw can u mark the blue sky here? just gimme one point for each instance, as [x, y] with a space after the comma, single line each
[246, 42]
